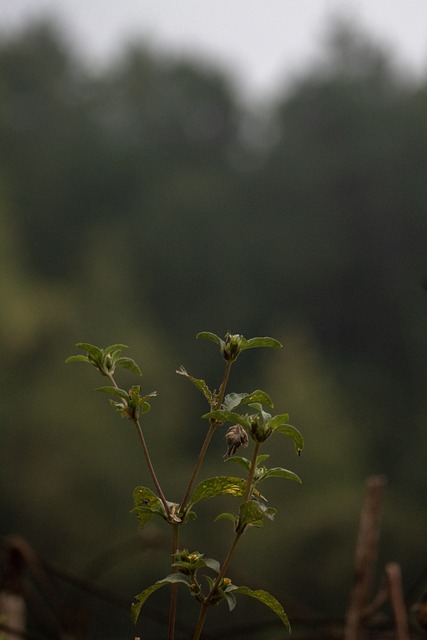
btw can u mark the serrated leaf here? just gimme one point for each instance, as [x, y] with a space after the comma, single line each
[113, 391]
[253, 343]
[130, 364]
[279, 472]
[267, 599]
[199, 384]
[208, 335]
[77, 359]
[219, 485]
[144, 595]
[292, 432]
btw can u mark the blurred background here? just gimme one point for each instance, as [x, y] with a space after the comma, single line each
[151, 188]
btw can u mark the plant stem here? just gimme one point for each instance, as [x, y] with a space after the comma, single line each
[247, 496]
[250, 482]
[174, 590]
[147, 456]
[205, 605]
[150, 467]
[208, 438]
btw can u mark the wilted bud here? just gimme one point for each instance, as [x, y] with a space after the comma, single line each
[236, 437]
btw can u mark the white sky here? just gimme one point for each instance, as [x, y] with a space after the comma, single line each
[262, 42]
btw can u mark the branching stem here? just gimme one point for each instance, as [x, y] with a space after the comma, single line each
[208, 438]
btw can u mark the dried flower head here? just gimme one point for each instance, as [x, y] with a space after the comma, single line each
[236, 437]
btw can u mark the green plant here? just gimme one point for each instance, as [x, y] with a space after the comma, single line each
[249, 420]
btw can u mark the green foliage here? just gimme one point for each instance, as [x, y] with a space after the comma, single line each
[252, 510]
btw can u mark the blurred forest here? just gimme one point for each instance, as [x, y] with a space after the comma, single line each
[144, 202]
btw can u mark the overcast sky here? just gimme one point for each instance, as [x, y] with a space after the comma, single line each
[262, 42]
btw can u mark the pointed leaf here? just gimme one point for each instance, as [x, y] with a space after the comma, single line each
[208, 335]
[219, 485]
[278, 472]
[200, 384]
[113, 391]
[227, 416]
[144, 595]
[147, 504]
[226, 516]
[130, 364]
[252, 513]
[253, 343]
[292, 432]
[213, 564]
[93, 351]
[77, 359]
[114, 347]
[243, 462]
[267, 599]
[258, 396]
[278, 420]
[233, 400]
[230, 598]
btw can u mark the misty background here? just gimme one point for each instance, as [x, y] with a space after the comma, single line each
[147, 200]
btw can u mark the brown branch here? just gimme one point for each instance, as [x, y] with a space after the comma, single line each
[396, 594]
[365, 558]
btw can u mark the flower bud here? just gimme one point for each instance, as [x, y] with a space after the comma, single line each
[259, 431]
[232, 345]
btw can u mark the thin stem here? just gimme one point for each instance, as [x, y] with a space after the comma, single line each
[250, 482]
[174, 590]
[208, 438]
[147, 456]
[150, 466]
[205, 605]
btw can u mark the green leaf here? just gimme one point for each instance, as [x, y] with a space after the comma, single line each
[130, 364]
[208, 335]
[93, 351]
[144, 595]
[78, 359]
[292, 432]
[267, 599]
[243, 462]
[219, 485]
[200, 384]
[279, 472]
[147, 504]
[213, 564]
[252, 513]
[227, 416]
[233, 400]
[230, 599]
[253, 343]
[114, 347]
[227, 516]
[113, 391]
[278, 421]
